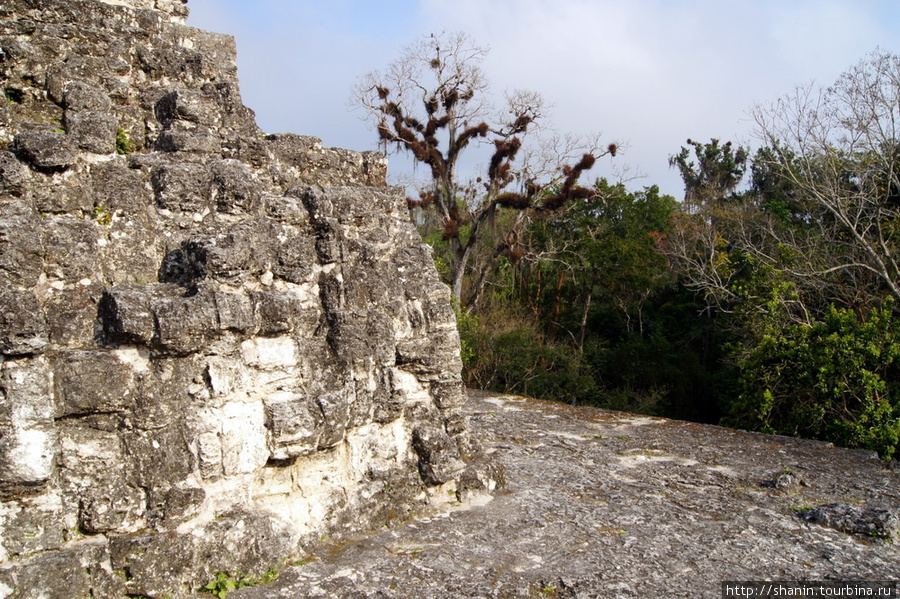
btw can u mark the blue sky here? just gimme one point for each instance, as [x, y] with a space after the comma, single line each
[650, 73]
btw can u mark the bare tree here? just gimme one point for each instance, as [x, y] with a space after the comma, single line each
[432, 103]
[840, 148]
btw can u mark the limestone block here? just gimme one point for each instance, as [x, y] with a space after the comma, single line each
[125, 315]
[171, 319]
[176, 9]
[235, 312]
[378, 451]
[92, 131]
[46, 150]
[70, 249]
[115, 187]
[79, 96]
[166, 385]
[77, 67]
[160, 562]
[225, 376]
[406, 386]
[158, 459]
[209, 455]
[293, 429]
[281, 312]
[23, 329]
[878, 522]
[70, 314]
[63, 192]
[296, 259]
[185, 266]
[244, 446]
[436, 306]
[156, 563]
[244, 251]
[387, 404]
[335, 410]
[179, 139]
[93, 466]
[234, 189]
[347, 336]
[31, 524]
[81, 571]
[179, 505]
[448, 394]
[234, 115]
[13, 174]
[90, 382]
[28, 437]
[412, 261]
[366, 284]
[286, 209]
[184, 187]
[274, 353]
[187, 105]
[26, 456]
[173, 62]
[375, 167]
[247, 148]
[186, 323]
[417, 355]
[439, 459]
[430, 357]
[21, 251]
[292, 149]
[336, 167]
[329, 240]
[131, 254]
[380, 333]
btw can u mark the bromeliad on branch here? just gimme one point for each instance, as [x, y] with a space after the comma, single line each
[432, 104]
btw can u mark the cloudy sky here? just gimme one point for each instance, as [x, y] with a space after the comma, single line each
[650, 73]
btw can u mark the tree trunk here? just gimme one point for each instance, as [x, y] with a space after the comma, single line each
[458, 274]
[589, 292]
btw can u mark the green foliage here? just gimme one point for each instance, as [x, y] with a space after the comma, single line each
[503, 350]
[470, 339]
[220, 585]
[522, 363]
[835, 380]
[224, 582]
[102, 215]
[589, 315]
[124, 145]
[771, 182]
[13, 95]
[717, 172]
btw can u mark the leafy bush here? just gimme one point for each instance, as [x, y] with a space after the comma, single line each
[834, 381]
[124, 145]
[224, 582]
[503, 350]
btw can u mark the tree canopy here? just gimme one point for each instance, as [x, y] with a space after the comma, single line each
[766, 298]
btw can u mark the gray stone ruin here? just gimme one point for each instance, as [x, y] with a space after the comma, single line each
[216, 346]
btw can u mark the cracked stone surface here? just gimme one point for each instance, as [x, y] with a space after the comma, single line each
[606, 504]
[216, 345]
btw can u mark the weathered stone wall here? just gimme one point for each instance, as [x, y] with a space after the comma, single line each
[215, 345]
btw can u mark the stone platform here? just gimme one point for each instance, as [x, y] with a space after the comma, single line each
[607, 504]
